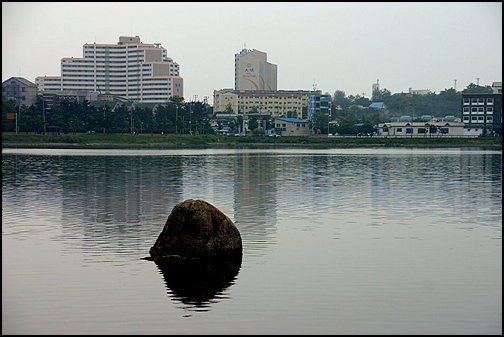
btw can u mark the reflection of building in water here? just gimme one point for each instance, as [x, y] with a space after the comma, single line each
[106, 195]
[250, 178]
[255, 198]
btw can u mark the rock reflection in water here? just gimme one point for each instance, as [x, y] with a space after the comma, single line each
[199, 282]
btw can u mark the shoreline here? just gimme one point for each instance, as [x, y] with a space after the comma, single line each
[233, 145]
[210, 141]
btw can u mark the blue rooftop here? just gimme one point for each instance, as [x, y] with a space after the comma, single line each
[293, 120]
[376, 105]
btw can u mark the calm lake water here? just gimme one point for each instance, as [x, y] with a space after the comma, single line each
[335, 241]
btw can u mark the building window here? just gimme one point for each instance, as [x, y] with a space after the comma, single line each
[466, 119]
[474, 118]
[466, 101]
[489, 100]
[409, 130]
[474, 101]
[466, 110]
[489, 119]
[481, 110]
[474, 110]
[490, 110]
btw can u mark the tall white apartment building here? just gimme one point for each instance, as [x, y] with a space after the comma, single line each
[253, 72]
[131, 69]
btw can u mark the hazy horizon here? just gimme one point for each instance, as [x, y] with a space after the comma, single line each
[333, 46]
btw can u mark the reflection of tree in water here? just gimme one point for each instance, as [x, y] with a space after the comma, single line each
[198, 282]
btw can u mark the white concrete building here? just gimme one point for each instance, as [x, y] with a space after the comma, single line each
[424, 129]
[131, 69]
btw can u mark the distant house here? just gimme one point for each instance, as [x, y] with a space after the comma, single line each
[378, 105]
[291, 127]
[419, 91]
[20, 91]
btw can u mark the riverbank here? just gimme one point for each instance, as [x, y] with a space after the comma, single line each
[158, 141]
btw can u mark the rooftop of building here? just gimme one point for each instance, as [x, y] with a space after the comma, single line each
[376, 104]
[292, 120]
[22, 80]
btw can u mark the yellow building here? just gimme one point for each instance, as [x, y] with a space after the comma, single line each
[273, 102]
[292, 127]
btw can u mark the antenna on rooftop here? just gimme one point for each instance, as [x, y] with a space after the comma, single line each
[455, 85]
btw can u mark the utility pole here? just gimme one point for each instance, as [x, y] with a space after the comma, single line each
[19, 113]
[43, 112]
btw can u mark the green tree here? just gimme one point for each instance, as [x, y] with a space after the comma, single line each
[166, 123]
[120, 119]
[74, 122]
[239, 122]
[339, 98]
[229, 109]
[291, 114]
[477, 89]
[253, 123]
[320, 122]
[152, 125]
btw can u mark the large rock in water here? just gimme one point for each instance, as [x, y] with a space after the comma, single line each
[197, 229]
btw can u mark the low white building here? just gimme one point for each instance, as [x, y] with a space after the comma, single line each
[425, 129]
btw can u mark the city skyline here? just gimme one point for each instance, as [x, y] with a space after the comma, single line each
[333, 46]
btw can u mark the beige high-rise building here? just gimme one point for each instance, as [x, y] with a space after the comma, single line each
[131, 69]
[253, 72]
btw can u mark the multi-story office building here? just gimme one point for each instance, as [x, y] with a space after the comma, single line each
[318, 102]
[482, 112]
[275, 103]
[131, 69]
[253, 72]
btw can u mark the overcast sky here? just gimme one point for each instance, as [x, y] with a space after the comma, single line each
[337, 46]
